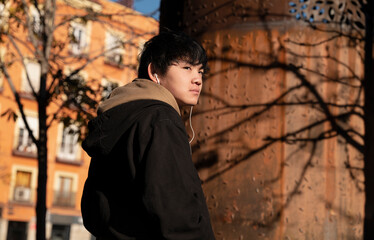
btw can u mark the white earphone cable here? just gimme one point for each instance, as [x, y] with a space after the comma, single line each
[193, 132]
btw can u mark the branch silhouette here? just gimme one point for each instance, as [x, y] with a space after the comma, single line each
[334, 115]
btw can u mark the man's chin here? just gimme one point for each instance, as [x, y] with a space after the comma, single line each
[187, 104]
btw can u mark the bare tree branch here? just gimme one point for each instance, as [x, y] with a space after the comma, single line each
[22, 57]
[18, 101]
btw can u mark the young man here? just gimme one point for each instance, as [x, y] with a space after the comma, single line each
[142, 183]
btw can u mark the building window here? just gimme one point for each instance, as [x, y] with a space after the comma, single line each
[24, 144]
[33, 71]
[36, 23]
[108, 87]
[78, 38]
[74, 89]
[64, 195]
[114, 50]
[2, 13]
[23, 184]
[22, 188]
[69, 147]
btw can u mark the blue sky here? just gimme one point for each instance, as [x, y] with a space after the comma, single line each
[147, 7]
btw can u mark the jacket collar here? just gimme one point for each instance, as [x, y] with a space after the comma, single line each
[138, 89]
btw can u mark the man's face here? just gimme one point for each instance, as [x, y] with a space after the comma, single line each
[184, 81]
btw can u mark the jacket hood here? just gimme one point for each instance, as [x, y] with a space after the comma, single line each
[121, 110]
[139, 89]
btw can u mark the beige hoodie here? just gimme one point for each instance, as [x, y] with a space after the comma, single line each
[139, 89]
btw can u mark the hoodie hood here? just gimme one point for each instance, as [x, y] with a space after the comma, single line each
[121, 110]
[139, 89]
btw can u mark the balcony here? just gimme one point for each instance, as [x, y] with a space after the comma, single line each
[64, 199]
[25, 150]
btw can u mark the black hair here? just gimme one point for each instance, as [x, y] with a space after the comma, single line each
[167, 48]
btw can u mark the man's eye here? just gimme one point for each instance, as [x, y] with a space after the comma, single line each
[188, 68]
[201, 72]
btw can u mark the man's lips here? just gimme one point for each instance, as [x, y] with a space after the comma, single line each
[195, 91]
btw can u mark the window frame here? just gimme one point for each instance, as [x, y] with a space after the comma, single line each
[4, 14]
[80, 47]
[111, 40]
[35, 22]
[70, 200]
[33, 70]
[61, 154]
[22, 138]
[14, 187]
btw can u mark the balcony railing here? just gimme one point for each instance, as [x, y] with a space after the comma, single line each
[64, 199]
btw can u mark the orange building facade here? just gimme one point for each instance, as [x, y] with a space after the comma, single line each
[67, 162]
[276, 159]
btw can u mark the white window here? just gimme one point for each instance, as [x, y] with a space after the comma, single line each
[78, 38]
[76, 95]
[64, 193]
[108, 87]
[69, 144]
[114, 49]
[33, 70]
[36, 23]
[2, 11]
[23, 183]
[65, 189]
[24, 142]
[22, 188]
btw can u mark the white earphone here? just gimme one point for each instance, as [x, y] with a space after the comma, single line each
[158, 81]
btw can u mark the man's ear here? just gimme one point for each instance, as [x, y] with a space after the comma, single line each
[151, 74]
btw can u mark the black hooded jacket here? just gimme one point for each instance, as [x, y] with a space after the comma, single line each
[141, 182]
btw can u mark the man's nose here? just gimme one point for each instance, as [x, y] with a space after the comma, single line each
[197, 79]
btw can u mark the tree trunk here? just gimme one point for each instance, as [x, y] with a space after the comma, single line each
[369, 127]
[41, 208]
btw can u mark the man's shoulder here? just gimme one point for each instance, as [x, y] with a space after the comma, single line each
[158, 113]
[159, 117]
